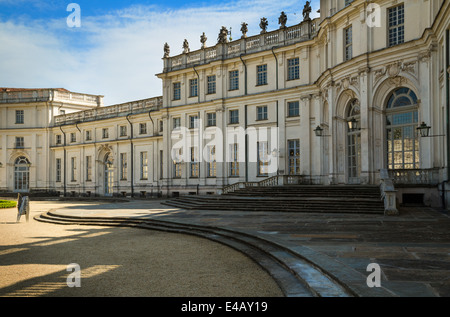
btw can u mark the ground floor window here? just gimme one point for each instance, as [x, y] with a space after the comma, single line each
[294, 157]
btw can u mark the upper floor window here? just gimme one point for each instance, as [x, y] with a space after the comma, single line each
[234, 116]
[19, 116]
[73, 137]
[88, 135]
[211, 119]
[261, 113]
[193, 122]
[58, 139]
[193, 87]
[348, 43]
[261, 75]
[123, 130]
[176, 123]
[396, 25]
[234, 80]
[211, 84]
[293, 109]
[176, 91]
[142, 128]
[105, 133]
[293, 68]
[20, 143]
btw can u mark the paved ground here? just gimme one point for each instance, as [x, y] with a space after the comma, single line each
[119, 261]
[413, 249]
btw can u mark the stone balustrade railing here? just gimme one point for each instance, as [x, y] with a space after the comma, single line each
[285, 36]
[134, 107]
[278, 180]
[42, 95]
[415, 176]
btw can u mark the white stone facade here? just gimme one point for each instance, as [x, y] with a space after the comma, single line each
[383, 64]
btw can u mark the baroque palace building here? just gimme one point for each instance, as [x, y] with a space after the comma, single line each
[356, 96]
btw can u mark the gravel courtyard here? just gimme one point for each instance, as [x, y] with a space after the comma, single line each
[119, 261]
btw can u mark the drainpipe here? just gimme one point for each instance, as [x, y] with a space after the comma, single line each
[245, 68]
[65, 181]
[132, 156]
[447, 84]
[198, 83]
[276, 64]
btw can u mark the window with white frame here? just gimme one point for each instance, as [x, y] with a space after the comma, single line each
[211, 119]
[144, 165]
[261, 113]
[211, 82]
[194, 164]
[20, 116]
[176, 123]
[58, 170]
[234, 159]
[105, 133]
[263, 158]
[261, 75]
[123, 166]
[211, 161]
[193, 87]
[293, 109]
[293, 68]
[234, 80]
[396, 25]
[234, 116]
[123, 130]
[142, 128]
[348, 43]
[88, 168]
[176, 91]
[73, 169]
[294, 157]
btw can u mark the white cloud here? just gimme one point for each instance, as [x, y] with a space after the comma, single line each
[118, 54]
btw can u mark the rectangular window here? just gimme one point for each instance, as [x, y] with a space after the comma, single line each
[293, 68]
[348, 43]
[293, 109]
[58, 139]
[193, 122]
[234, 79]
[123, 166]
[211, 80]
[73, 169]
[88, 168]
[294, 157]
[20, 143]
[144, 165]
[261, 75]
[105, 133]
[73, 137]
[263, 158]
[211, 119]
[194, 166]
[211, 161]
[58, 170]
[396, 25]
[142, 128]
[177, 165]
[123, 130]
[234, 116]
[20, 116]
[176, 91]
[261, 113]
[88, 135]
[176, 123]
[234, 159]
[193, 87]
[161, 125]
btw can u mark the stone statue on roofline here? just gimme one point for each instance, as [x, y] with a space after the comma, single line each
[263, 25]
[166, 50]
[307, 11]
[244, 30]
[282, 20]
[186, 47]
[203, 39]
[223, 34]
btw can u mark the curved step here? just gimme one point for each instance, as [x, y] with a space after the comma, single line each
[295, 276]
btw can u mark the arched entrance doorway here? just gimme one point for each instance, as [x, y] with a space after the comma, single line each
[402, 118]
[108, 175]
[353, 142]
[21, 175]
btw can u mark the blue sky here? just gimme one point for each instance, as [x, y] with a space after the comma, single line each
[118, 49]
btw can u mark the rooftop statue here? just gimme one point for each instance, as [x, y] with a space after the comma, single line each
[186, 47]
[307, 11]
[263, 25]
[222, 39]
[203, 39]
[282, 20]
[166, 50]
[244, 30]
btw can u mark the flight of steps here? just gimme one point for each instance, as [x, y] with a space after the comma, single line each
[290, 198]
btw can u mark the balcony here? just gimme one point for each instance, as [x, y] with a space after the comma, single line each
[262, 42]
[415, 176]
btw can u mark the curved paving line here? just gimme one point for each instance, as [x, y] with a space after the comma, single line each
[295, 275]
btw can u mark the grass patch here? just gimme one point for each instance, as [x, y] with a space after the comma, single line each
[7, 204]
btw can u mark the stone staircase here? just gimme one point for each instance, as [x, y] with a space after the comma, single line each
[356, 199]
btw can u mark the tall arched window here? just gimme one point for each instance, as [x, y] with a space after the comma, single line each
[21, 174]
[402, 118]
[354, 142]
